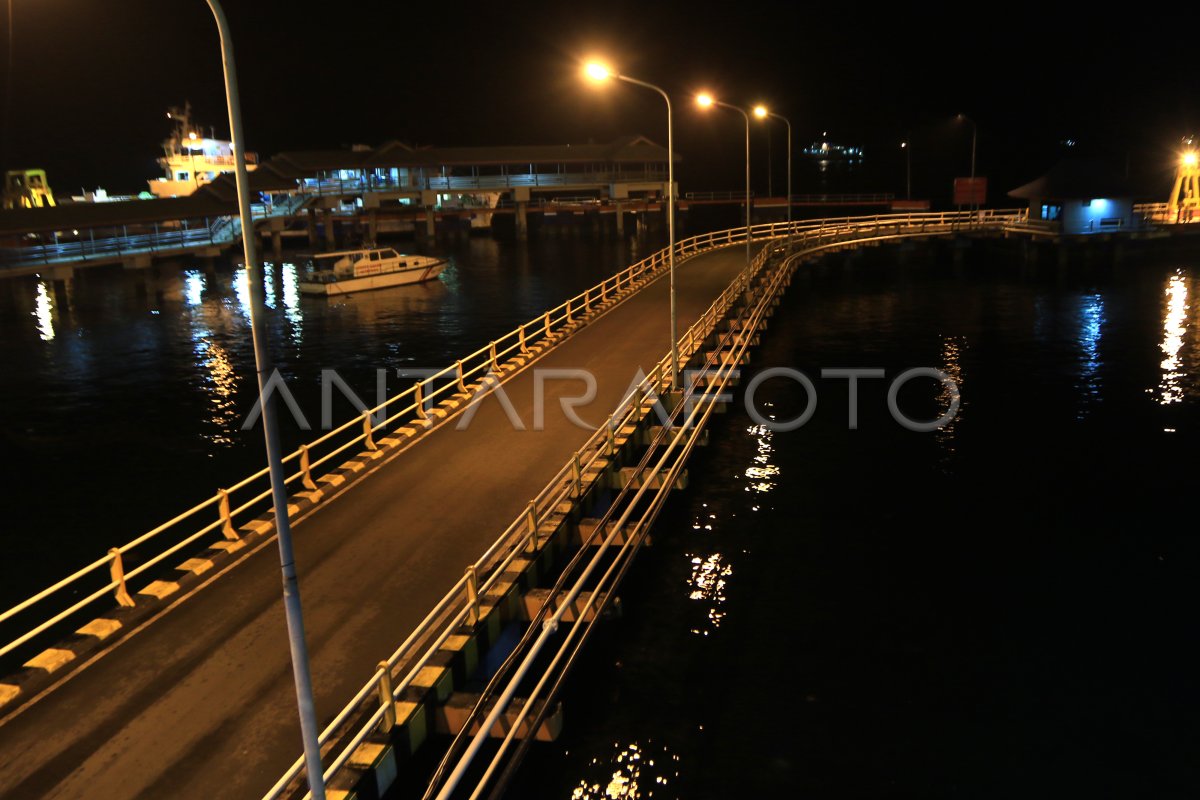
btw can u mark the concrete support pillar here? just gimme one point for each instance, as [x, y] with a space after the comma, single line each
[310, 224]
[330, 235]
[372, 225]
[621, 222]
[430, 222]
[62, 280]
[522, 221]
[277, 244]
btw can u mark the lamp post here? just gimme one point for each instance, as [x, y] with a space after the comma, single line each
[907, 170]
[598, 72]
[706, 100]
[287, 563]
[974, 139]
[762, 112]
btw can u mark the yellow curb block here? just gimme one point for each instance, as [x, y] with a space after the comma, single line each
[100, 628]
[160, 589]
[196, 566]
[51, 660]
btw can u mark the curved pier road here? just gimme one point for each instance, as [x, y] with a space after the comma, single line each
[200, 703]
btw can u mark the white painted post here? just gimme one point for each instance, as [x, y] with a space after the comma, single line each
[117, 570]
[387, 698]
[531, 524]
[368, 439]
[227, 529]
[472, 595]
[419, 399]
[306, 470]
[462, 387]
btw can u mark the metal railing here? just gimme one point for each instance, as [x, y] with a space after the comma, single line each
[540, 180]
[415, 182]
[800, 199]
[456, 606]
[217, 231]
[731, 196]
[843, 199]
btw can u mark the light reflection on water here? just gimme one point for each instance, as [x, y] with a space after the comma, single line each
[708, 578]
[1170, 386]
[216, 368]
[952, 352]
[44, 312]
[1091, 328]
[631, 772]
[762, 472]
[291, 302]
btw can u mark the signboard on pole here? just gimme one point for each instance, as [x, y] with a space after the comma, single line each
[970, 191]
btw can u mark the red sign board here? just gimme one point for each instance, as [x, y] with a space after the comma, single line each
[970, 191]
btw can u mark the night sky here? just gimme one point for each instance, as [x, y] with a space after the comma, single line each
[91, 81]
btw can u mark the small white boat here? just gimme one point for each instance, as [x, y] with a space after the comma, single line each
[349, 271]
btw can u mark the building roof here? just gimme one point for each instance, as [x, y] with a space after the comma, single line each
[1076, 179]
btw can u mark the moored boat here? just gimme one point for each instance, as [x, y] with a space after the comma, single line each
[349, 271]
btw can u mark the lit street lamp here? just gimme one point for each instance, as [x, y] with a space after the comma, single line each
[287, 562]
[907, 170]
[705, 100]
[762, 112]
[598, 72]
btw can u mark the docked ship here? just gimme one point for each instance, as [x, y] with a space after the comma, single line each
[190, 159]
[830, 156]
[350, 271]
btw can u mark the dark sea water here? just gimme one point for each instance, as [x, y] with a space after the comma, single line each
[1004, 608]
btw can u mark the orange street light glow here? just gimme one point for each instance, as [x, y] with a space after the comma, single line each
[1189, 158]
[704, 100]
[596, 71]
[760, 111]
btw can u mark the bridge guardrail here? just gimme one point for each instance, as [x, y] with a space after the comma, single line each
[455, 606]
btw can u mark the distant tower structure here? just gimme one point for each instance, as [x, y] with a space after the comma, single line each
[1185, 196]
[27, 188]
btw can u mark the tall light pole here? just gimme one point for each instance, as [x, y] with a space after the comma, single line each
[762, 112]
[705, 100]
[598, 72]
[974, 139]
[907, 170]
[258, 333]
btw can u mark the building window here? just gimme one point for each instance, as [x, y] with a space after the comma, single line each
[181, 176]
[1051, 211]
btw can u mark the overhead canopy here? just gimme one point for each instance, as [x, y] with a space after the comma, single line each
[1076, 179]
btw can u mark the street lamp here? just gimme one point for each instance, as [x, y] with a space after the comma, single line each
[762, 112]
[705, 101]
[907, 170]
[598, 73]
[258, 333]
[974, 138]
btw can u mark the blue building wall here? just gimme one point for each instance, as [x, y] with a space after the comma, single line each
[1097, 215]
